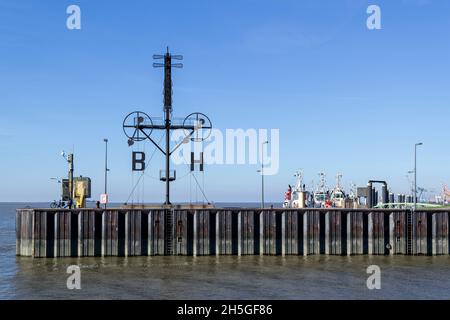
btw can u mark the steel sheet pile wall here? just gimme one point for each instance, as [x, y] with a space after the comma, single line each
[89, 233]
[311, 232]
[183, 232]
[65, 236]
[128, 232]
[201, 233]
[334, 233]
[378, 238]
[110, 234]
[355, 226]
[440, 233]
[39, 236]
[246, 232]
[420, 232]
[292, 233]
[34, 228]
[156, 232]
[270, 233]
[397, 226]
[133, 233]
[224, 234]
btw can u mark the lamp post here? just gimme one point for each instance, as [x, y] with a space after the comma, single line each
[106, 167]
[415, 173]
[69, 159]
[262, 173]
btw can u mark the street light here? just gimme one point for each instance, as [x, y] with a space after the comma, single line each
[69, 159]
[262, 173]
[106, 167]
[415, 173]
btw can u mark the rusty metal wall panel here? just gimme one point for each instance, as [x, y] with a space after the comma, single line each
[201, 233]
[398, 231]
[180, 232]
[64, 231]
[420, 233]
[91, 242]
[111, 239]
[43, 235]
[440, 233]
[269, 236]
[133, 232]
[246, 232]
[114, 228]
[376, 233]
[333, 233]
[86, 233]
[290, 232]
[224, 232]
[354, 233]
[156, 220]
[106, 233]
[63, 239]
[39, 234]
[18, 232]
[312, 232]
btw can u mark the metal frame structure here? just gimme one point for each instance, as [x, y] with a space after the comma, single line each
[197, 125]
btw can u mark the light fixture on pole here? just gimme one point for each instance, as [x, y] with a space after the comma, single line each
[106, 170]
[262, 173]
[415, 173]
[69, 159]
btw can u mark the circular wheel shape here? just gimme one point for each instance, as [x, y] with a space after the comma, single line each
[197, 126]
[137, 126]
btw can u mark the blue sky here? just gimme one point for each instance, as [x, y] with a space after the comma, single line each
[345, 98]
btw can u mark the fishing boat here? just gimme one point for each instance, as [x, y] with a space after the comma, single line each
[322, 195]
[297, 197]
[338, 195]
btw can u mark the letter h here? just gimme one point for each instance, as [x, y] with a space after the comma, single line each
[193, 161]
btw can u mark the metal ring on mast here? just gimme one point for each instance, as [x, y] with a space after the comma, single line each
[199, 126]
[137, 126]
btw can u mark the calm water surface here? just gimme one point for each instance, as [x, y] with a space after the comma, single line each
[223, 277]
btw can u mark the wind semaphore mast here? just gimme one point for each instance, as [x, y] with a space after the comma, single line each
[138, 126]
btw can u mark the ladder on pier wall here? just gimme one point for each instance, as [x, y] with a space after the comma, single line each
[409, 233]
[168, 248]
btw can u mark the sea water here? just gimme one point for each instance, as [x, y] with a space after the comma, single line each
[216, 277]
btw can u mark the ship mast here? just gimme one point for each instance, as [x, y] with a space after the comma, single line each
[322, 187]
[338, 181]
[299, 183]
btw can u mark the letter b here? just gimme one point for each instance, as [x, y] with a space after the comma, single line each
[138, 160]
